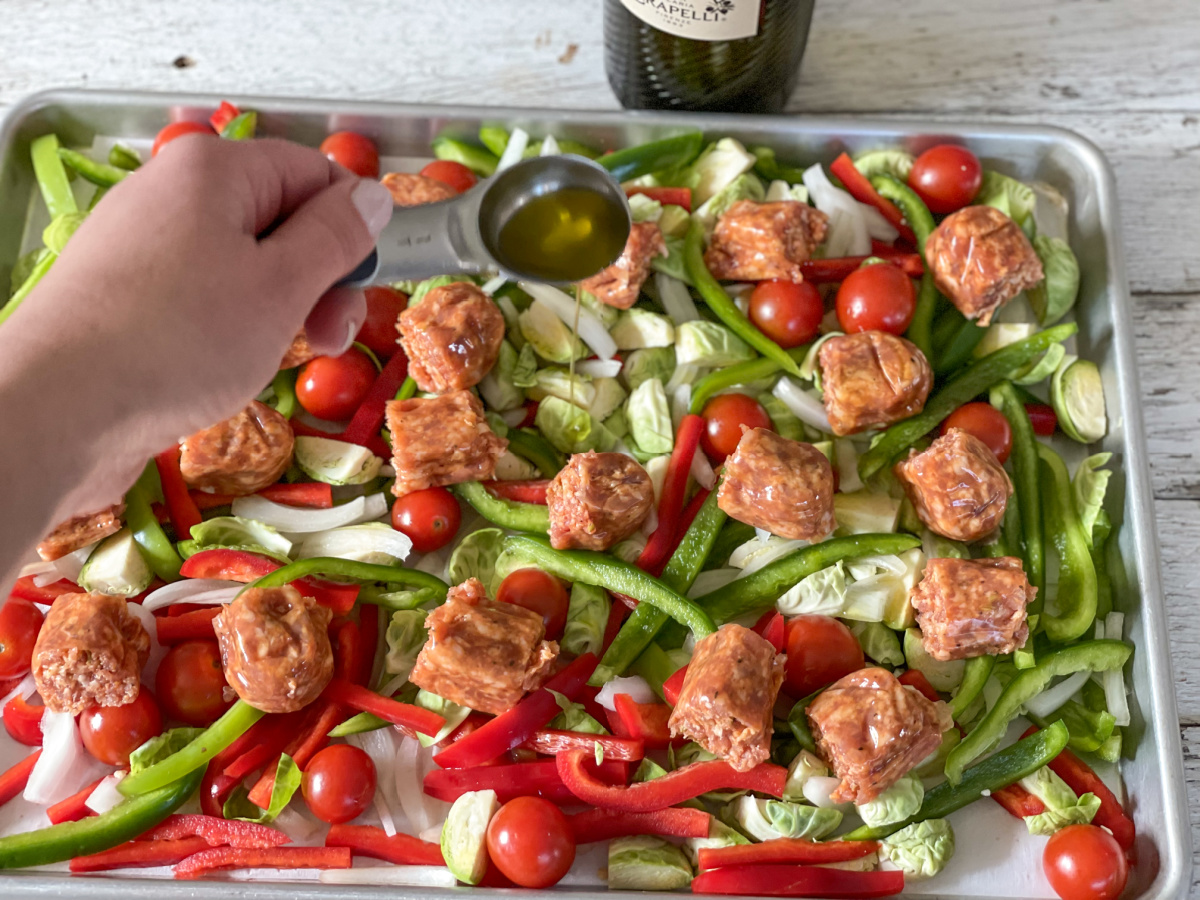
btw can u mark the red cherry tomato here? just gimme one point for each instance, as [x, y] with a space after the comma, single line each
[352, 151]
[111, 733]
[339, 783]
[820, 650]
[985, 422]
[946, 177]
[786, 312]
[1085, 862]
[190, 683]
[878, 297]
[453, 174]
[378, 332]
[333, 387]
[1043, 418]
[724, 416]
[20, 622]
[531, 842]
[430, 518]
[541, 592]
[178, 129]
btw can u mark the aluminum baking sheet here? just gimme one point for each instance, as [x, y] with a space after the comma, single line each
[988, 840]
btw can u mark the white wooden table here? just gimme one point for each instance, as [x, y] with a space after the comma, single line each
[1122, 73]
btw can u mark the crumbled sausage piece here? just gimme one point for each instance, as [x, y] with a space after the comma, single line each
[620, 284]
[728, 696]
[783, 486]
[452, 337]
[441, 440]
[408, 189]
[958, 487]
[275, 648]
[760, 241]
[241, 455]
[873, 731]
[972, 607]
[598, 500]
[981, 259]
[81, 531]
[299, 352]
[872, 379]
[483, 654]
[90, 652]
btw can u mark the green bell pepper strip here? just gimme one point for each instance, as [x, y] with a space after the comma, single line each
[537, 450]
[975, 379]
[1026, 486]
[359, 724]
[957, 351]
[284, 386]
[1089, 728]
[976, 672]
[124, 822]
[477, 159]
[1101, 532]
[732, 536]
[349, 570]
[770, 169]
[997, 771]
[741, 373]
[1091, 656]
[52, 176]
[1077, 596]
[920, 329]
[155, 546]
[613, 575]
[654, 156]
[654, 666]
[195, 754]
[124, 157]
[241, 127]
[797, 721]
[97, 173]
[407, 389]
[27, 287]
[494, 138]
[509, 514]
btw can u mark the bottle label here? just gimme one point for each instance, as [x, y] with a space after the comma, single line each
[699, 20]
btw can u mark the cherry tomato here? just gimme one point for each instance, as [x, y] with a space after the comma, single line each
[111, 733]
[946, 177]
[178, 129]
[786, 312]
[20, 622]
[724, 416]
[541, 592]
[985, 422]
[430, 518]
[339, 783]
[1085, 862]
[878, 297]
[453, 174]
[378, 332]
[333, 387]
[352, 151]
[820, 650]
[1043, 418]
[190, 683]
[531, 842]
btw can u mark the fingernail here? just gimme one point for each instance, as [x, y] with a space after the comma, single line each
[351, 333]
[374, 203]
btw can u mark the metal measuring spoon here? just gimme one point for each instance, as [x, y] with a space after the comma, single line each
[488, 228]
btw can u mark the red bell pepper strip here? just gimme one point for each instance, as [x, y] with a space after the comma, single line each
[23, 721]
[915, 678]
[667, 196]
[527, 779]
[1018, 801]
[199, 864]
[306, 494]
[531, 491]
[551, 742]
[321, 718]
[196, 625]
[205, 500]
[180, 506]
[797, 881]
[515, 726]
[689, 514]
[225, 114]
[140, 854]
[74, 807]
[1043, 418]
[219, 781]
[154, 585]
[228, 565]
[365, 700]
[25, 589]
[347, 654]
[685, 783]
[616, 618]
[217, 832]
[368, 641]
[13, 781]
[368, 418]
[831, 271]
[772, 627]
[673, 686]
[860, 189]
[646, 722]
[674, 491]
[336, 596]
[784, 850]
[531, 409]
[373, 842]
[594, 825]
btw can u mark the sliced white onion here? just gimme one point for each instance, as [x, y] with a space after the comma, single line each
[634, 685]
[818, 788]
[711, 580]
[494, 284]
[597, 368]
[681, 399]
[71, 565]
[514, 151]
[1052, 698]
[296, 825]
[25, 689]
[514, 417]
[1113, 680]
[306, 521]
[414, 876]
[847, 234]
[550, 146]
[432, 834]
[45, 578]
[650, 523]
[64, 766]
[762, 534]
[38, 568]
[878, 227]
[847, 465]
[191, 590]
[676, 299]
[754, 554]
[157, 650]
[385, 815]
[106, 795]
[685, 374]
[591, 330]
[702, 471]
[410, 790]
[356, 542]
[804, 406]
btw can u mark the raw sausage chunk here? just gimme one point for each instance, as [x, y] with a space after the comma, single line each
[441, 440]
[275, 648]
[728, 696]
[90, 652]
[972, 607]
[871, 380]
[452, 337]
[873, 731]
[758, 241]
[597, 500]
[783, 486]
[620, 284]
[408, 189]
[957, 486]
[299, 352]
[241, 455]
[483, 654]
[81, 531]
